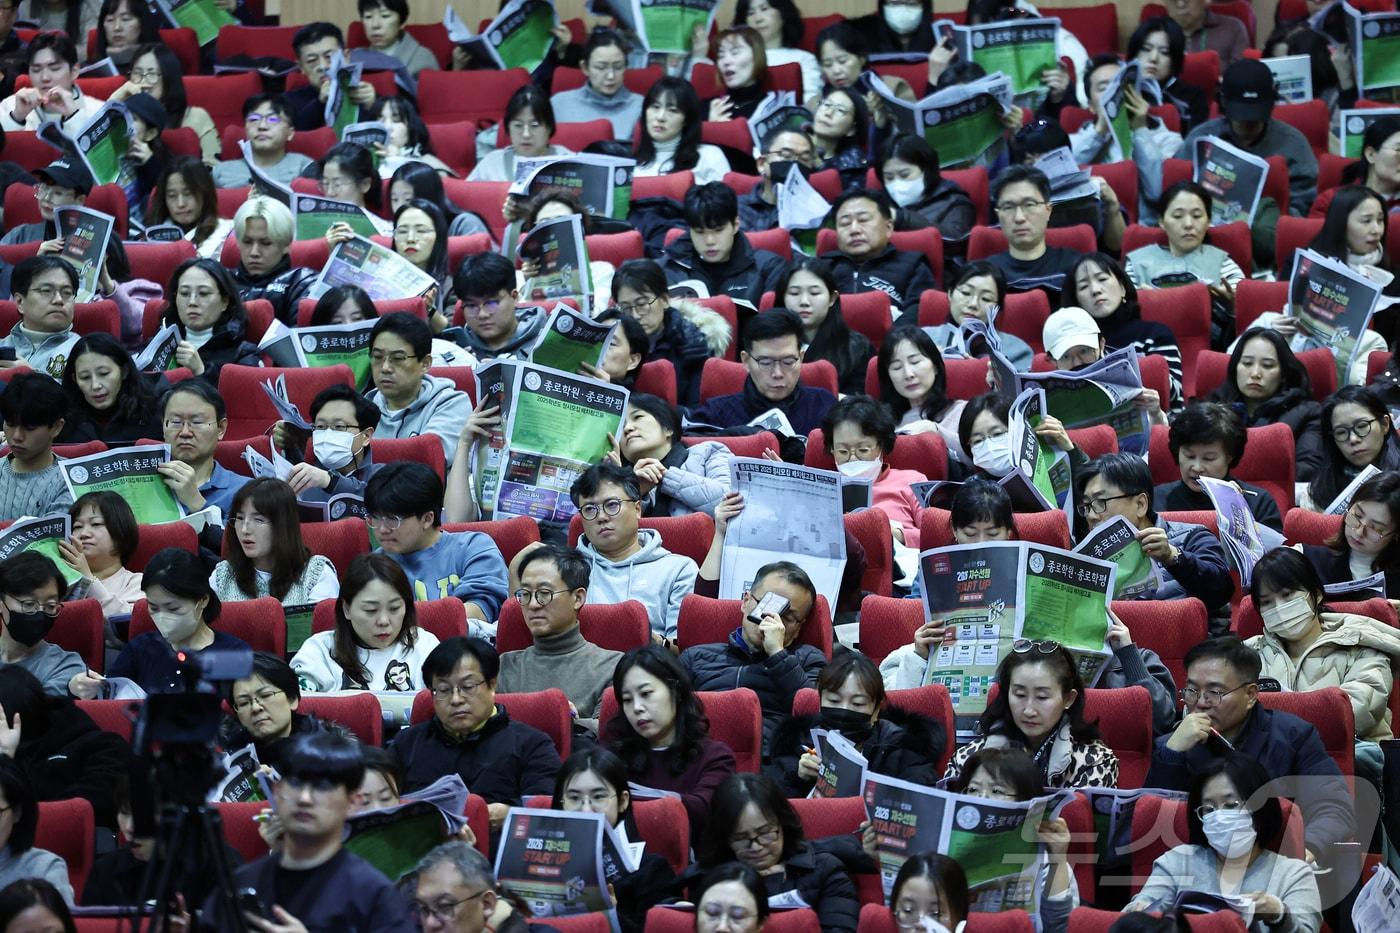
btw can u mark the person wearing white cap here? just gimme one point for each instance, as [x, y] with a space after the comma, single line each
[1073, 341]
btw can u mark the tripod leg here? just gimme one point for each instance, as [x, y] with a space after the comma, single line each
[169, 845]
[215, 857]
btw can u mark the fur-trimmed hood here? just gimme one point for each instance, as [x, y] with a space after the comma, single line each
[711, 324]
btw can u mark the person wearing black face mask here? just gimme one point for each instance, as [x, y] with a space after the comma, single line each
[784, 149]
[893, 741]
[31, 595]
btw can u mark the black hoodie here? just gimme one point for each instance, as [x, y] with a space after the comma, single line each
[901, 275]
[905, 744]
[744, 277]
[67, 755]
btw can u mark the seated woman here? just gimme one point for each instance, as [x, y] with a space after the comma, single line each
[908, 169]
[376, 643]
[1039, 708]
[104, 538]
[186, 197]
[1234, 827]
[730, 897]
[1267, 384]
[347, 173]
[155, 70]
[840, 132]
[808, 289]
[146, 154]
[662, 734]
[929, 889]
[182, 606]
[1184, 214]
[529, 122]
[984, 438]
[669, 140]
[742, 69]
[265, 710]
[779, 24]
[893, 741]
[108, 400]
[409, 141]
[1158, 45]
[1365, 545]
[627, 351]
[978, 290]
[685, 333]
[1356, 433]
[33, 901]
[859, 435]
[420, 236]
[19, 858]
[553, 203]
[1374, 169]
[1098, 284]
[384, 22]
[914, 384]
[604, 95]
[676, 479]
[595, 781]
[843, 54]
[264, 228]
[205, 306]
[123, 27]
[264, 553]
[418, 180]
[1354, 232]
[751, 821]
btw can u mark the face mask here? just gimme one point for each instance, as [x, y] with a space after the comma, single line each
[1288, 620]
[176, 627]
[859, 468]
[778, 171]
[993, 454]
[333, 449]
[1229, 832]
[903, 19]
[851, 723]
[28, 627]
[931, 925]
[905, 191]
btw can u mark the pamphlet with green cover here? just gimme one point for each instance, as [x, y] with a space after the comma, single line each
[1375, 40]
[203, 16]
[396, 839]
[1021, 49]
[1137, 576]
[130, 472]
[340, 110]
[667, 25]
[521, 34]
[42, 536]
[1349, 128]
[335, 344]
[315, 214]
[103, 143]
[570, 339]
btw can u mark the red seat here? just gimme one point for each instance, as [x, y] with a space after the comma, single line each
[79, 628]
[1311, 118]
[573, 923]
[1169, 627]
[927, 453]
[868, 313]
[1212, 370]
[932, 701]
[1329, 711]
[1186, 311]
[153, 538]
[1093, 920]
[1124, 717]
[1376, 363]
[977, 185]
[223, 95]
[510, 535]
[455, 145]
[876, 918]
[724, 306]
[723, 377]
[1049, 528]
[359, 712]
[966, 378]
[313, 144]
[1304, 526]
[687, 535]
[240, 830]
[612, 626]
[1293, 234]
[615, 248]
[872, 529]
[777, 241]
[887, 624]
[462, 96]
[988, 241]
[115, 716]
[736, 719]
[678, 920]
[657, 377]
[1267, 461]
[672, 185]
[741, 445]
[1253, 298]
[92, 317]
[483, 198]
[251, 412]
[926, 241]
[229, 453]
[1122, 177]
[258, 622]
[636, 80]
[1095, 440]
[1233, 238]
[545, 710]
[461, 376]
[663, 825]
[28, 150]
[22, 208]
[157, 262]
[66, 828]
[1275, 184]
[706, 621]
[425, 449]
[1202, 70]
[824, 818]
[340, 541]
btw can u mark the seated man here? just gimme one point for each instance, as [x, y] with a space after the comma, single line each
[32, 409]
[1191, 559]
[313, 882]
[1073, 341]
[31, 595]
[772, 354]
[1207, 439]
[1223, 714]
[455, 881]
[411, 402]
[1205, 30]
[1021, 195]
[629, 562]
[404, 501]
[65, 184]
[44, 288]
[195, 420]
[784, 147]
[315, 45]
[715, 254]
[267, 127]
[1103, 213]
[264, 229]
[470, 735]
[764, 656]
[866, 261]
[497, 327]
[553, 588]
[343, 423]
[53, 94]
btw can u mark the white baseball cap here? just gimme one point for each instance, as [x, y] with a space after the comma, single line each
[1068, 328]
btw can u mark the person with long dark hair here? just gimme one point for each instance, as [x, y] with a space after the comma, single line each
[669, 140]
[898, 26]
[31, 904]
[908, 169]
[808, 289]
[108, 400]
[977, 292]
[929, 887]
[841, 133]
[914, 383]
[842, 55]
[347, 173]
[123, 26]
[155, 70]
[263, 551]
[417, 179]
[1159, 47]
[204, 304]
[1378, 169]
[1357, 432]
[678, 479]
[409, 140]
[1366, 544]
[184, 195]
[779, 24]
[1267, 384]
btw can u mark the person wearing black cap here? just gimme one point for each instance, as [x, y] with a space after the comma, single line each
[62, 183]
[146, 153]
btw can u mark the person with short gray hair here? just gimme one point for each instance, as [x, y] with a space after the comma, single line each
[453, 890]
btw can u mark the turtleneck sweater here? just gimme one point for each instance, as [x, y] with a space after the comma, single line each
[567, 661]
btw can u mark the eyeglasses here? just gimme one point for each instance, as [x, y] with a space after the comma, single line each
[345, 428]
[789, 155]
[859, 453]
[385, 522]
[778, 362]
[831, 106]
[1027, 645]
[1193, 695]
[336, 184]
[611, 507]
[43, 192]
[1359, 428]
[764, 837]
[908, 915]
[574, 799]
[519, 126]
[1099, 505]
[636, 307]
[262, 698]
[51, 608]
[1205, 809]
[442, 911]
[606, 69]
[1011, 209]
[1356, 519]
[466, 688]
[543, 597]
[415, 232]
[396, 359]
[179, 424]
[141, 75]
[475, 308]
[271, 119]
[47, 292]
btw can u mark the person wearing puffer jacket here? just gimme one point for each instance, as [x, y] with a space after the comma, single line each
[410, 401]
[676, 479]
[264, 229]
[684, 332]
[865, 260]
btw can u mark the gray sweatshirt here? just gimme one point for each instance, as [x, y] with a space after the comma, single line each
[1279, 139]
[582, 104]
[653, 576]
[440, 409]
[53, 666]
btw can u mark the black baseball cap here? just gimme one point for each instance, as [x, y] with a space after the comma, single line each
[66, 173]
[1247, 92]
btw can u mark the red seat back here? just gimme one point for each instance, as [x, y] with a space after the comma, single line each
[510, 535]
[1169, 627]
[931, 701]
[988, 241]
[887, 624]
[1304, 526]
[258, 622]
[79, 628]
[1329, 711]
[358, 712]
[463, 97]
[706, 621]
[872, 529]
[223, 95]
[925, 453]
[657, 377]
[153, 538]
[115, 716]
[340, 541]
[613, 626]
[251, 412]
[66, 828]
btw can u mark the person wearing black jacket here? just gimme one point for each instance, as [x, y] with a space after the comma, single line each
[264, 229]
[808, 289]
[1207, 440]
[898, 26]
[715, 254]
[265, 711]
[639, 291]
[204, 305]
[315, 45]
[908, 169]
[1267, 384]
[784, 149]
[865, 261]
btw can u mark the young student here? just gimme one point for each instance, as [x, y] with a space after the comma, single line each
[264, 229]
[314, 883]
[1207, 439]
[108, 399]
[315, 45]
[156, 70]
[31, 598]
[342, 426]
[865, 260]
[497, 326]
[44, 288]
[1073, 341]
[685, 333]
[264, 553]
[669, 137]
[105, 537]
[1021, 195]
[51, 62]
[907, 167]
[715, 254]
[411, 402]
[404, 501]
[32, 409]
[267, 125]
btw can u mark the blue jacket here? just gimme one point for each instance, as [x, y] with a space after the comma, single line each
[464, 564]
[805, 409]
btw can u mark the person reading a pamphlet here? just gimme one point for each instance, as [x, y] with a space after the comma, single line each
[853, 703]
[404, 501]
[342, 425]
[1233, 821]
[553, 588]
[1207, 439]
[752, 822]
[1159, 47]
[155, 70]
[1357, 433]
[263, 550]
[411, 402]
[1184, 213]
[529, 123]
[975, 293]
[204, 305]
[51, 61]
[984, 437]
[497, 326]
[914, 384]
[267, 125]
[351, 304]
[909, 173]
[146, 154]
[185, 196]
[315, 45]
[865, 260]
[1306, 646]
[104, 539]
[859, 434]
[23, 859]
[1365, 545]
[194, 419]
[676, 478]
[686, 333]
[627, 350]
[603, 95]
[469, 735]
[1354, 231]
[1222, 714]
[1021, 198]
[264, 229]
[661, 733]
[42, 340]
[1378, 168]
[713, 253]
[32, 410]
[808, 289]
[730, 897]
[314, 882]
[265, 711]
[1266, 383]
[31, 599]
[783, 149]
[376, 633]
[62, 183]
[669, 140]
[1073, 341]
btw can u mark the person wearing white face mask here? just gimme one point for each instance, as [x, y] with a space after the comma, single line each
[1234, 828]
[985, 439]
[898, 26]
[859, 435]
[343, 424]
[908, 168]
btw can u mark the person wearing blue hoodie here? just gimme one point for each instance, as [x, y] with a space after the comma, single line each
[411, 402]
[628, 562]
[404, 500]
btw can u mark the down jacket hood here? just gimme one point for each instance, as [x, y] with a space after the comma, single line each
[711, 324]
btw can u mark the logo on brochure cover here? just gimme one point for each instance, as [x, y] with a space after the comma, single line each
[968, 817]
[532, 381]
[79, 475]
[1037, 563]
[308, 342]
[305, 204]
[620, 177]
[978, 40]
[1372, 30]
[496, 37]
[338, 510]
[565, 324]
[1356, 125]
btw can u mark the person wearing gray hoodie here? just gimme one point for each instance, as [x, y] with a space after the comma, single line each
[411, 402]
[628, 562]
[496, 326]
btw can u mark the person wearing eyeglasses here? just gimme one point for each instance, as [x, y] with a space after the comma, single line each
[1357, 432]
[205, 307]
[315, 45]
[865, 259]
[1222, 714]
[627, 561]
[32, 410]
[453, 890]
[45, 287]
[347, 173]
[195, 418]
[714, 253]
[1021, 197]
[784, 149]
[684, 332]
[730, 898]
[31, 599]
[1190, 557]
[267, 128]
[530, 124]
[1366, 544]
[553, 588]
[266, 711]
[604, 95]
[411, 402]
[497, 326]
[930, 895]
[1207, 440]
